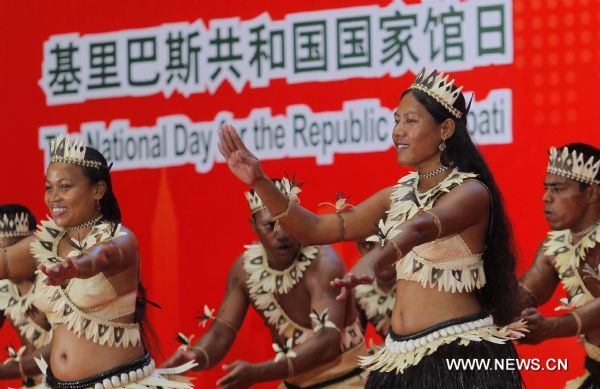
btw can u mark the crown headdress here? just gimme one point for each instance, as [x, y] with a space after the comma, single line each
[14, 225]
[438, 87]
[572, 164]
[64, 149]
[287, 187]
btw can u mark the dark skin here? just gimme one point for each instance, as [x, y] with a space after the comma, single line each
[72, 200]
[28, 366]
[11, 370]
[385, 278]
[311, 293]
[566, 206]
[464, 210]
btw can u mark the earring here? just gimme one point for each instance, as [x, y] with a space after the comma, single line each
[98, 207]
[442, 145]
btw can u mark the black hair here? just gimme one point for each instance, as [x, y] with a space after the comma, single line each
[499, 293]
[108, 203]
[588, 152]
[150, 338]
[111, 212]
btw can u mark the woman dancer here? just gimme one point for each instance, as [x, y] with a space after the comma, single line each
[89, 279]
[443, 226]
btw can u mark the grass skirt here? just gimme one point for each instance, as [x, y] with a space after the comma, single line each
[428, 365]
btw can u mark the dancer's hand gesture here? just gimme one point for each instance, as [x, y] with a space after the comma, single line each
[350, 281]
[362, 273]
[540, 327]
[60, 273]
[242, 163]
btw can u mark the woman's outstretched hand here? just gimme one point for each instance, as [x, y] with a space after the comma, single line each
[242, 163]
[60, 273]
[350, 281]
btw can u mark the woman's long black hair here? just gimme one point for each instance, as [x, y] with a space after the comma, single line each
[111, 212]
[498, 296]
[108, 203]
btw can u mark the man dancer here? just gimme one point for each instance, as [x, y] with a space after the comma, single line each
[570, 254]
[317, 339]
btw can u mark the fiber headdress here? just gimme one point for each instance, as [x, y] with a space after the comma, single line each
[287, 187]
[12, 225]
[573, 165]
[438, 87]
[64, 149]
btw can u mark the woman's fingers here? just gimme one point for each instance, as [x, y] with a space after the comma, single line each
[51, 271]
[43, 268]
[237, 141]
[347, 283]
[227, 139]
[365, 279]
[62, 268]
[339, 282]
[225, 144]
[343, 294]
[352, 280]
[222, 151]
[348, 280]
[222, 145]
[52, 274]
[60, 272]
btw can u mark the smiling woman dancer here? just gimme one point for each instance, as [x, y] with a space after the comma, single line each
[445, 229]
[88, 279]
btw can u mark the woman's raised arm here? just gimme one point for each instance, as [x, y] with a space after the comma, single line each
[307, 227]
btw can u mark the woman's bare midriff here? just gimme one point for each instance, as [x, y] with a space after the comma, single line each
[417, 308]
[75, 358]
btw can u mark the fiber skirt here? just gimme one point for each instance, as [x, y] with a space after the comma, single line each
[467, 352]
